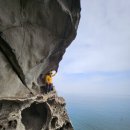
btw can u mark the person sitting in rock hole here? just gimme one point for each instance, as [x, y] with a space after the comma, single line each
[49, 80]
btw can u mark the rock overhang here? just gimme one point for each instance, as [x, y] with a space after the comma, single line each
[34, 35]
[38, 33]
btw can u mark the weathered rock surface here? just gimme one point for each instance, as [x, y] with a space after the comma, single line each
[34, 35]
[36, 113]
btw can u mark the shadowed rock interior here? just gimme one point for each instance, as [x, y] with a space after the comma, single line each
[36, 114]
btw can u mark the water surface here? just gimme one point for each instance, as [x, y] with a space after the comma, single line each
[99, 113]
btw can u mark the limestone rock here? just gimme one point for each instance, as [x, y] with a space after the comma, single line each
[36, 113]
[37, 33]
[34, 35]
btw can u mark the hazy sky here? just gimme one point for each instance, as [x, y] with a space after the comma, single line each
[98, 60]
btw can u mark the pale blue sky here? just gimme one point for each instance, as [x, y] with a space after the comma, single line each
[98, 60]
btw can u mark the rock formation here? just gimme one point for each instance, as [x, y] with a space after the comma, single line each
[34, 35]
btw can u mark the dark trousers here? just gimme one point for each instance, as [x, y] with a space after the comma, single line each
[49, 87]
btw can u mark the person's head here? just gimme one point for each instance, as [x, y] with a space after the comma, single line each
[50, 73]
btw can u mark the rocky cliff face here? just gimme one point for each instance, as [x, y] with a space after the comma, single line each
[34, 35]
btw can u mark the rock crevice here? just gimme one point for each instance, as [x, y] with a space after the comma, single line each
[11, 59]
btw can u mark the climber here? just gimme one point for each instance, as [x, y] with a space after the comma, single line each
[48, 80]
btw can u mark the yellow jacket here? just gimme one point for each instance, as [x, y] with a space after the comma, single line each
[48, 79]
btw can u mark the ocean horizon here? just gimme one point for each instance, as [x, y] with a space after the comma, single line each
[99, 112]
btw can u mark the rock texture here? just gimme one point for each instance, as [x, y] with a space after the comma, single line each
[36, 113]
[34, 35]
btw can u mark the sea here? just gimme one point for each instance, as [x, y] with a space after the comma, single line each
[99, 112]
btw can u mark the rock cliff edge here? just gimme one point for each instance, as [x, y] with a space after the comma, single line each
[34, 35]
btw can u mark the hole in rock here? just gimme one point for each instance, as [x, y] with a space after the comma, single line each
[12, 124]
[66, 126]
[0, 127]
[0, 106]
[54, 122]
[35, 117]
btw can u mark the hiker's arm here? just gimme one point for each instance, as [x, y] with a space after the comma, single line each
[54, 74]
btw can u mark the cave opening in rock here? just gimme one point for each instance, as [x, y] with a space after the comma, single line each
[54, 122]
[35, 117]
[66, 126]
[12, 124]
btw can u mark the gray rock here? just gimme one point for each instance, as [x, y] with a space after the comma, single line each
[36, 113]
[34, 35]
